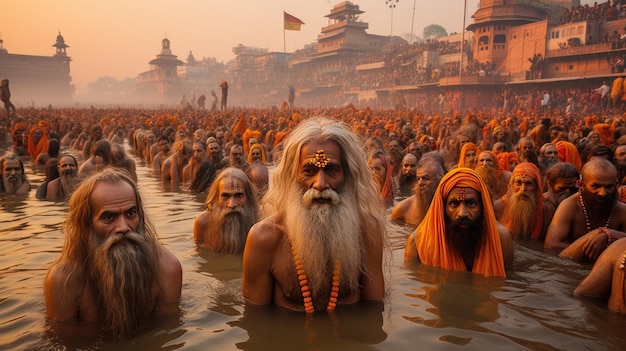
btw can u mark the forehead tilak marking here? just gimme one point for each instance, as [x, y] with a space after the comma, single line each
[461, 194]
[320, 160]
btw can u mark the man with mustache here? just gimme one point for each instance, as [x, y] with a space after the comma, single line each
[585, 224]
[231, 209]
[112, 270]
[496, 178]
[521, 209]
[321, 242]
[13, 177]
[413, 209]
[460, 231]
[67, 182]
[404, 182]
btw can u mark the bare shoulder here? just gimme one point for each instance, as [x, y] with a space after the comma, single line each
[169, 265]
[400, 209]
[266, 234]
[202, 219]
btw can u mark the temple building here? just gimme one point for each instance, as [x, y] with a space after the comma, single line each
[161, 83]
[38, 80]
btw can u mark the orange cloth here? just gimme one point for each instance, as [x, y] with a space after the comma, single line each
[430, 236]
[42, 145]
[260, 147]
[529, 169]
[468, 147]
[569, 153]
[247, 135]
[505, 159]
[386, 188]
[607, 136]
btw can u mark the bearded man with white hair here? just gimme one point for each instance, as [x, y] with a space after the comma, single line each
[232, 208]
[321, 244]
[112, 270]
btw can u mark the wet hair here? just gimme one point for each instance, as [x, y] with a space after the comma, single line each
[237, 174]
[561, 170]
[204, 177]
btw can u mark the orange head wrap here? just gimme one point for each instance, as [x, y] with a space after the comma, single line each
[529, 169]
[569, 153]
[430, 237]
[464, 150]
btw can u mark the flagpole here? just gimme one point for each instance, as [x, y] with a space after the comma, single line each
[284, 45]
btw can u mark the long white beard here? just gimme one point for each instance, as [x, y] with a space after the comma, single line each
[322, 233]
[11, 184]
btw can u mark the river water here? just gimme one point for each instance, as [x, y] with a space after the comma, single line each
[427, 308]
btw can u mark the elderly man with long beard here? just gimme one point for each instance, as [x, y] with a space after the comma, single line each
[521, 209]
[112, 269]
[495, 178]
[412, 210]
[321, 243]
[584, 225]
[548, 156]
[14, 179]
[67, 182]
[460, 231]
[231, 209]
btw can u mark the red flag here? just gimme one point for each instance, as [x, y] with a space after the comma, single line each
[291, 22]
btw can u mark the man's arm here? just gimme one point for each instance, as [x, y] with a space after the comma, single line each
[398, 212]
[200, 225]
[374, 281]
[561, 225]
[506, 242]
[171, 280]
[410, 250]
[599, 280]
[258, 281]
[61, 293]
[52, 189]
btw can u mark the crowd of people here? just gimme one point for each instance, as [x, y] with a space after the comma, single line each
[466, 187]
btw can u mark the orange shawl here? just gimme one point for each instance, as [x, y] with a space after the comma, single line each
[569, 153]
[467, 147]
[260, 147]
[42, 145]
[430, 236]
[505, 159]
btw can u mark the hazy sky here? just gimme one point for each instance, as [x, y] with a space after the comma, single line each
[118, 38]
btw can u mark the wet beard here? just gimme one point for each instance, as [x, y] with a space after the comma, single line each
[520, 214]
[69, 183]
[465, 241]
[488, 175]
[548, 162]
[424, 198]
[595, 204]
[407, 179]
[122, 278]
[323, 232]
[11, 184]
[228, 230]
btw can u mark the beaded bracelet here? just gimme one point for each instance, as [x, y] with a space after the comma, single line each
[609, 239]
[621, 266]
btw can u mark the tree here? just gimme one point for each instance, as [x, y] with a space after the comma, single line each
[434, 31]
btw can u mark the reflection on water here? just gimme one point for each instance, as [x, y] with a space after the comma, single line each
[427, 308]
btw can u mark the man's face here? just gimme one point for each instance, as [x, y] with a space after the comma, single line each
[37, 134]
[114, 209]
[470, 158]
[214, 149]
[67, 167]
[409, 165]
[11, 170]
[550, 152]
[620, 156]
[600, 187]
[256, 154]
[236, 153]
[426, 181]
[198, 152]
[97, 133]
[524, 185]
[394, 145]
[232, 193]
[164, 146]
[320, 166]
[526, 148]
[150, 139]
[564, 187]
[376, 165]
[485, 160]
[464, 204]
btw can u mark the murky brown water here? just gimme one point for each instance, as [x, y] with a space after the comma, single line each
[427, 308]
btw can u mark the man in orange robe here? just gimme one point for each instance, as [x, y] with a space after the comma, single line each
[460, 231]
